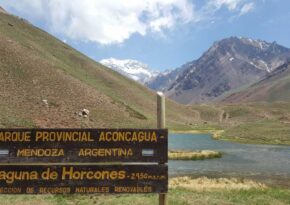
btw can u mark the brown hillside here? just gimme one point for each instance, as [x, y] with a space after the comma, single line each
[36, 67]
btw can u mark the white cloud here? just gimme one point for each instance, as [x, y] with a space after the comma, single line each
[235, 8]
[114, 21]
[105, 21]
[230, 4]
[247, 8]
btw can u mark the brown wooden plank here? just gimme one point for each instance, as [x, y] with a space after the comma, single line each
[83, 179]
[83, 145]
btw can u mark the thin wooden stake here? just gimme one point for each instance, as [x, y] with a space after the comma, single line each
[161, 125]
[160, 110]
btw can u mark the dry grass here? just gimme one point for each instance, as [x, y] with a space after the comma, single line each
[182, 191]
[193, 155]
[206, 184]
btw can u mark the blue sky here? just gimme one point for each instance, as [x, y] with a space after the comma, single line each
[161, 33]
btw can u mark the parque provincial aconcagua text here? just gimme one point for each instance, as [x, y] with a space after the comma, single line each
[74, 136]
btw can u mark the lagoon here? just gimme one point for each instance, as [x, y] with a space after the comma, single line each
[268, 163]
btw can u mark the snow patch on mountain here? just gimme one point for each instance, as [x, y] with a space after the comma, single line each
[133, 69]
[263, 45]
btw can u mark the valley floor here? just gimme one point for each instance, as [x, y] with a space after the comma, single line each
[255, 123]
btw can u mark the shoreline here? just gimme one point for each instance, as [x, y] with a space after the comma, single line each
[217, 135]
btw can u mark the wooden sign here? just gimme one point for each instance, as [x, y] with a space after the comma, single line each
[66, 153]
[83, 145]
[83, 179]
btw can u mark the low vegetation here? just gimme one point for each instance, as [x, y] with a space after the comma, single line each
[193, 155]
[182, 191]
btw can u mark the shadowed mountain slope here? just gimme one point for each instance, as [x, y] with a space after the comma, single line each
[274, 87]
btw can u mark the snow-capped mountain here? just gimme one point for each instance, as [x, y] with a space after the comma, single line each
[133, 69]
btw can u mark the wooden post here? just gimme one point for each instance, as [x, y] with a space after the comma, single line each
[161, 125]
[160, 110]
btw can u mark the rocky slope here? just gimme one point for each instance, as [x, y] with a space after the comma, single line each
[274, 87]
[230, 64]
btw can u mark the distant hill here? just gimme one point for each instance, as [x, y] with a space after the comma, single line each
[46, 83]
[274, 87]
[230, 64]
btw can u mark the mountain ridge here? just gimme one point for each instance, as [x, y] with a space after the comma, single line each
[164, 79]
[229, 64]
